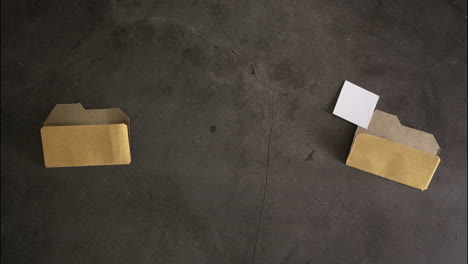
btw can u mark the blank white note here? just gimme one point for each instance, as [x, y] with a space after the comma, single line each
[356, 104]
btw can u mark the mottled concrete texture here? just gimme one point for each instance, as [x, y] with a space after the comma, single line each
[236, 155]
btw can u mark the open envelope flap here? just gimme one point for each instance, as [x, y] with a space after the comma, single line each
[75, 114]
[388, 126]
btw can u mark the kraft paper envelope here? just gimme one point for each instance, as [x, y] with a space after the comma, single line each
[74, 136]
[388, 149]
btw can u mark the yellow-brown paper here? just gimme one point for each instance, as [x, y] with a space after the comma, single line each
[73, 136]
[393, 151]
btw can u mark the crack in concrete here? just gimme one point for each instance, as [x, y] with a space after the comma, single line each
[310, 156]
[186, 27]
[259, 224]
[203, 38]
[181, 24]
[252, 71]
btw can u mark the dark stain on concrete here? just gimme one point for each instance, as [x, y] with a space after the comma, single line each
[285, 73]
[133, 37]
[193, 55]
[171, 37]
[294, 106]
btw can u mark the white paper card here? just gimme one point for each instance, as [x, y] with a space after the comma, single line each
[356, 104]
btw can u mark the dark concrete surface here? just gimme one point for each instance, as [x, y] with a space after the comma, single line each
[230, 103]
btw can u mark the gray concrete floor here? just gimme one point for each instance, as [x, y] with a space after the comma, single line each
[236, 155]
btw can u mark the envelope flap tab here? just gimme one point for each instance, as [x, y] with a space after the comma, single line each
[75, 114]
[388, 126]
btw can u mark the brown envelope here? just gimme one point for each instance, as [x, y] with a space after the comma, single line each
[395, 152]
[73, 136]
